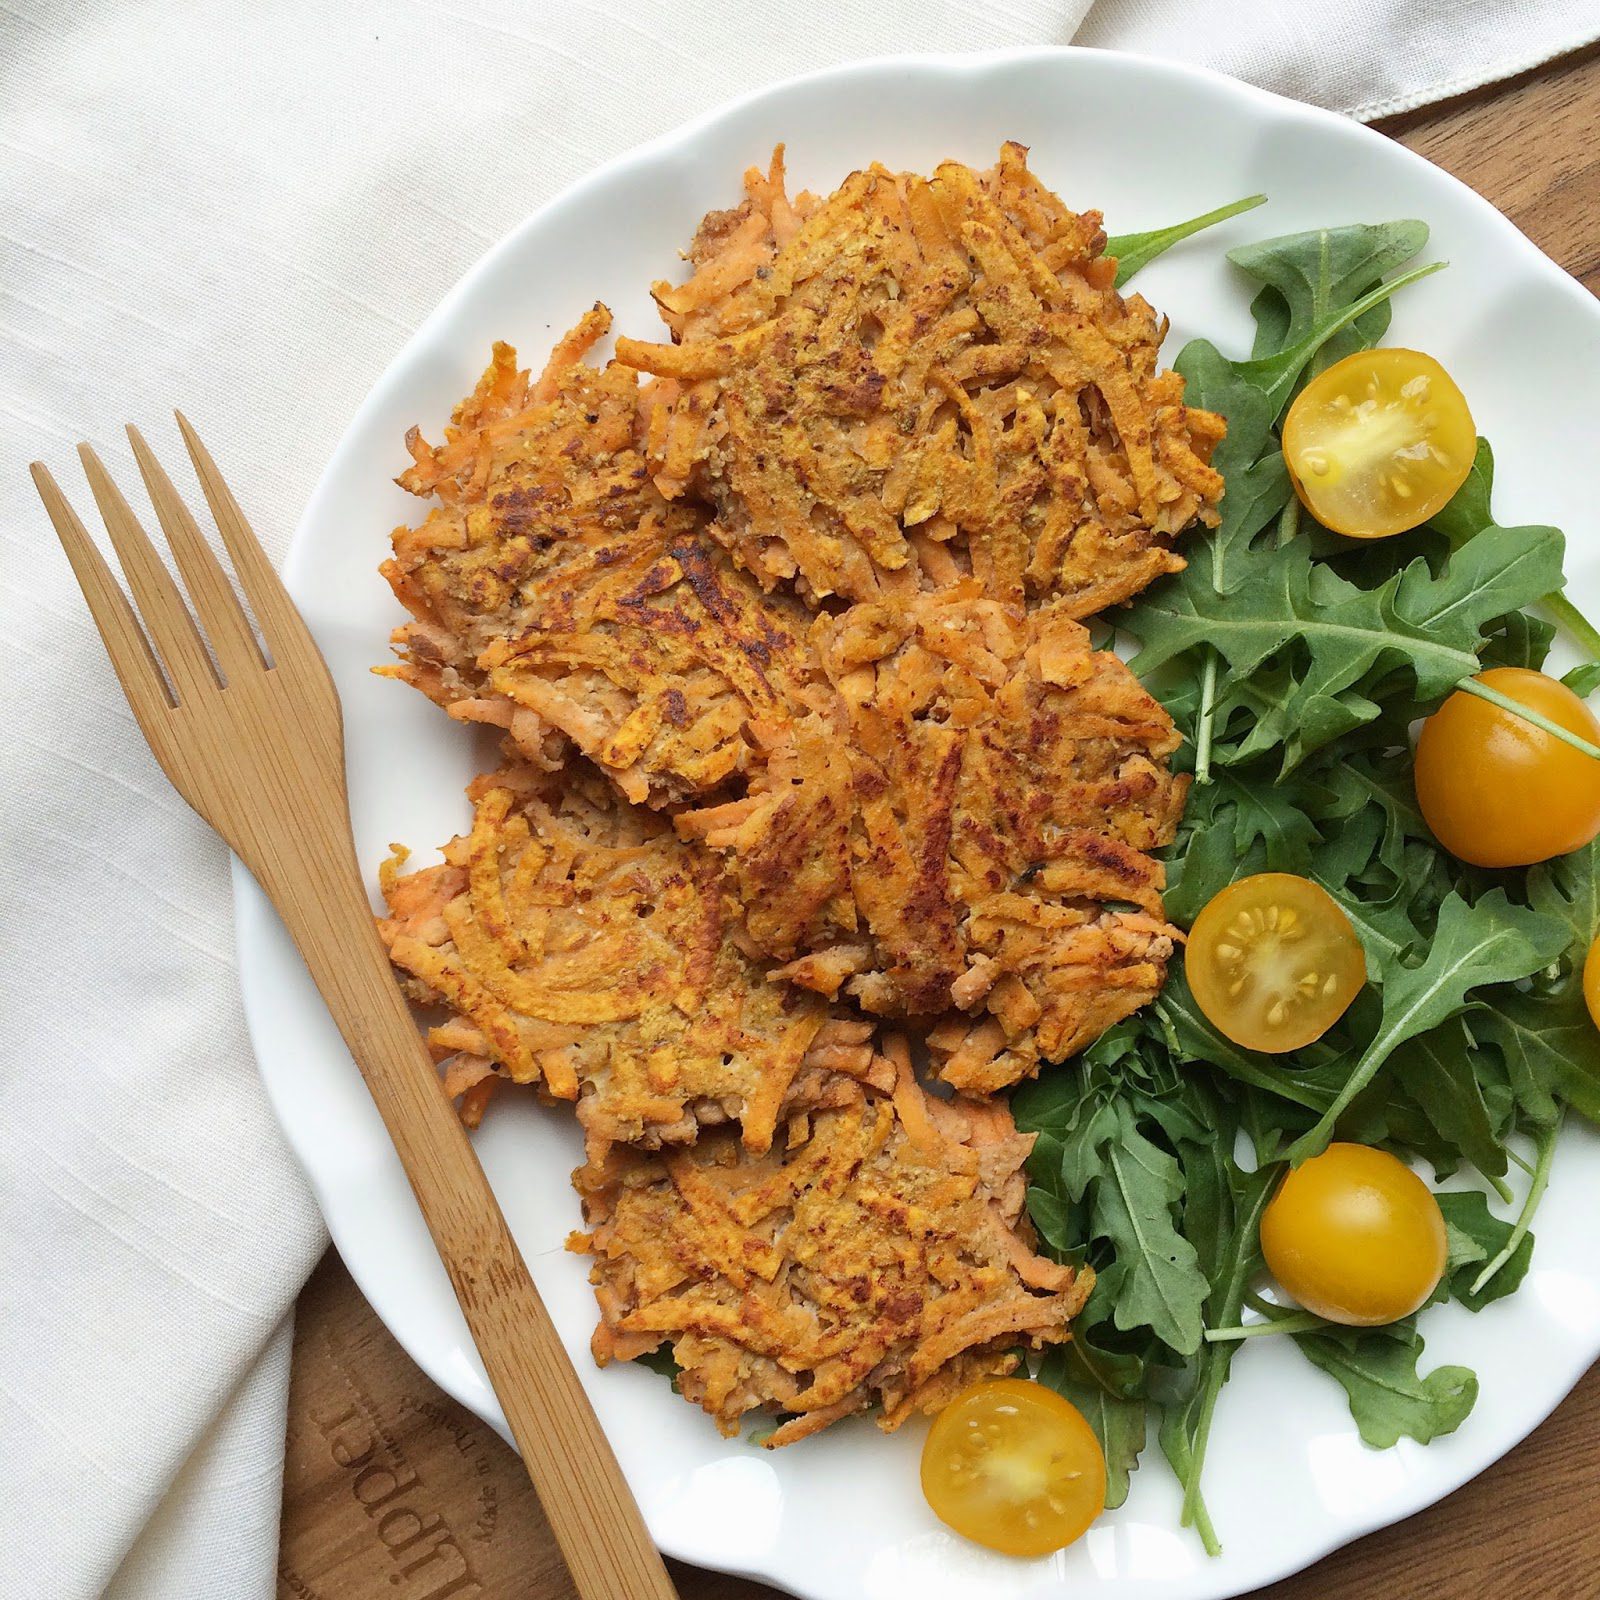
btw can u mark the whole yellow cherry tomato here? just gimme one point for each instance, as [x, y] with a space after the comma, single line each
[1274, 962]
[1379, 442]
[1013, 1465]
[1355, 1236]
[1499, 792]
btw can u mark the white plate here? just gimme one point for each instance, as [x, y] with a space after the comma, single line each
[840, 1517]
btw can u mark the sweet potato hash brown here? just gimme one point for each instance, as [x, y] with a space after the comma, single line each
[805, 738]
[553, 591]
[971, 836]
[877, 1255]
[918, 376]
[577, 944]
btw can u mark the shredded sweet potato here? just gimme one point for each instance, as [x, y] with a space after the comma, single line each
[780, 625]
[879, 1255]
[930, 802]
[915, 366]
[970, 834]
[579, 945]
[556, 594]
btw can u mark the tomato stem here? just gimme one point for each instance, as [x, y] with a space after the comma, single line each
[1541, 1181]
[1537, 718]
[1291, 1322]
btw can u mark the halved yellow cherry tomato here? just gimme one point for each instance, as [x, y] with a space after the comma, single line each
[1591, 982]
[1379, 442]
[1273, 961]
[1012, 1465]
[1355, 1236]
[1496, 790]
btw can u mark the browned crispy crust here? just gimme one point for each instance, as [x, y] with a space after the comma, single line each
[577, 944]
[972, 835]
[659, 661]
[920, 378]
[878, 1256]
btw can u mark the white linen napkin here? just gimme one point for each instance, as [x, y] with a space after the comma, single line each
[245, 208]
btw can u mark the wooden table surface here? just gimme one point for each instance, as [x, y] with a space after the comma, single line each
[393, 1492]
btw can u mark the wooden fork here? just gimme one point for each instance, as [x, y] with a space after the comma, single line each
[256, 745]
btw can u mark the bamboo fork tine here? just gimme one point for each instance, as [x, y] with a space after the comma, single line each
[132, 659]
[281, 624]
[166, 617]
[210, 593]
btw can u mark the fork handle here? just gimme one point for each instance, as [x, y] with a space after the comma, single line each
[592, 1513]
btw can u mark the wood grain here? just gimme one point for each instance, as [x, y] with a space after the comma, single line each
[371, 1439]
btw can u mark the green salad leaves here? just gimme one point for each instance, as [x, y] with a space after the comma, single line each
[1294, 662]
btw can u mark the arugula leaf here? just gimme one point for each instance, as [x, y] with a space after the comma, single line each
[1248, 456]
[1306, 276]
[1074, 1152]
[1154, 1280]
[1493, 941]
[1389, 1398]
[1476, 1235]
[1547, 1050]
[1275, 374]
[1194, 1038]
[1467, 515]
[1385, 927]
[1436, 1070]
[1105, 1192]
[1232, 1229]
[1251, 395]
[1118, 1424]
[1468, 511]
[1521, 640]
[1136, 250]
[1101, 1356]
[1232, 827]
[662, 1362]
[1422, 630]
[1375, 784]
[1583, 679]
[1550, 1047]
[1263, 812]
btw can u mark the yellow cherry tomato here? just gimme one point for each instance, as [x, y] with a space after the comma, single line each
[1355, 1236]
[1591, 982]
[1012, 1465]
[1379, 442]
[1273, 961]
[1499, 792]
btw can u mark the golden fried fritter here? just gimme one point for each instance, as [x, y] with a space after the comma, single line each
[554, 591]
[915, 379]
[877, 1257]
[971, 834]
[578, 944]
